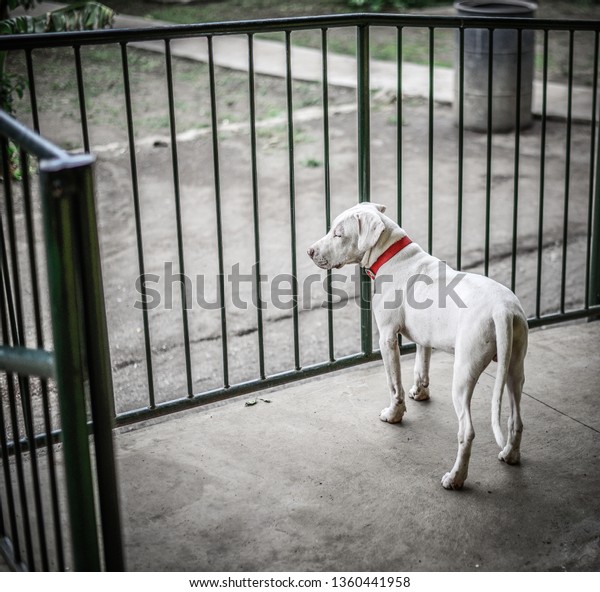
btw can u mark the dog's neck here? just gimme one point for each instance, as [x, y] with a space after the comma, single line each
[392, 233]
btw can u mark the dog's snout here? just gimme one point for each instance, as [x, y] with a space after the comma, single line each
[310, 252]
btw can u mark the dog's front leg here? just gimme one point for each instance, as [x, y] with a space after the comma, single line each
[420, 390]
[390, 352]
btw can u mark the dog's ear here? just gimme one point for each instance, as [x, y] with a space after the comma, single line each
[370, 227]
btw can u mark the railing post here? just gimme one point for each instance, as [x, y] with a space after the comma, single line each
[364, 174]
[66, 299]
[99, 370]
[594, 270]
[81, 352]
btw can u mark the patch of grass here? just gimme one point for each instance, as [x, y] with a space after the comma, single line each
[301, 137]
[156, 123]
[312, 163]
[271, 131]
[273, 112]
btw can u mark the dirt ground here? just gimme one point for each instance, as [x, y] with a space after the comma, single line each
[196, 184]
[198, 207]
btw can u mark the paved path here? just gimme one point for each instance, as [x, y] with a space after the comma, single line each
[269, 59]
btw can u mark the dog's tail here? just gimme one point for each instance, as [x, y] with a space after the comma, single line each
[504, 339]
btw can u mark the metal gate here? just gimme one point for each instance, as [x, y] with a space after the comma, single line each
[58, 505]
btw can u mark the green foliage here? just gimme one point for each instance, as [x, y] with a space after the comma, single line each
[312, 163]
[76, 16]
[11, 86]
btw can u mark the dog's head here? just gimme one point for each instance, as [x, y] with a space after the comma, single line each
[352, 234]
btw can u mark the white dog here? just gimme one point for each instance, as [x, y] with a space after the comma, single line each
[419, 296]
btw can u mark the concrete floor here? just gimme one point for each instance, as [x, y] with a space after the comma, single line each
[312, 480]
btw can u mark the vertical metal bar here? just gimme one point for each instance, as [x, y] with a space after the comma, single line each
[32, 93]
[565, 237]
[26, 517]
[461, 145]
[16, 320]
[13, 286]
[364, 174]
[10, 497]
[399, 133]
[35, 294]
[64, 283]
[364, 114]
[595, 256]
[3, 532]
[488, 173]
[81, 95]
[399, 139]
[327, 173]
[513, 274]
[257, 287]
[138, 224]
[98, 364]
[177, 193]
[217, 173]
[430, 143]
[290, 118]
[594, 268]
[14, 424]
[591, 193]
[540, 243]
[11, 317]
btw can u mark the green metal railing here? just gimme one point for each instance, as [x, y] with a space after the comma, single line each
[79, 368]
[363, 25]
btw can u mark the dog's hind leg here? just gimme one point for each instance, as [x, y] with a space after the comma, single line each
[420, 389]
[511, 452]
[463, 384]
[390, 352]
[514, 385]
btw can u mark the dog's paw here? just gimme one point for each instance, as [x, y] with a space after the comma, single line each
[452, 481]
[510, 457]
[393, 414]
[419, 393]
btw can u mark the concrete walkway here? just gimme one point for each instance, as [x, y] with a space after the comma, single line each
[269, 59]
[313, 481]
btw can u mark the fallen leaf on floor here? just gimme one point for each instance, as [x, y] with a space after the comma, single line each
[251, 402]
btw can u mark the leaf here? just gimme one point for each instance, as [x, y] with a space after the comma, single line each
[251, 402]
[21, 24]
[265, 400]
[78, 16]
[74, 17]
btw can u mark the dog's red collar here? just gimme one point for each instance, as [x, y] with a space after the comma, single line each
[387, 255]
